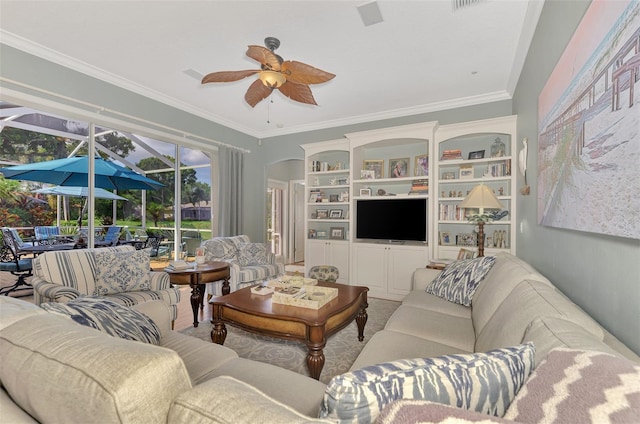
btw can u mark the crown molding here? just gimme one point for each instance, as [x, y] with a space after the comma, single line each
[54, 56]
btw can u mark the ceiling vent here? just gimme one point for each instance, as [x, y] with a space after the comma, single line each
[459, 4]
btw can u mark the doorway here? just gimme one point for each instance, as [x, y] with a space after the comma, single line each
[285, 210]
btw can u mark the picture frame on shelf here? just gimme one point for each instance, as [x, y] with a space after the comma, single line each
[398, 168]
[367, 174]
[377, 166]
[336, 233]
[315, 197]
[333, 198]
[322, 213]
[365, 192]
[335, 214]
[467, 239]
[445, 238]
[449, 175]
[466, 254]
[321, 234]
[478, 154]
[466, 172]
[312, 234]
[421, 166]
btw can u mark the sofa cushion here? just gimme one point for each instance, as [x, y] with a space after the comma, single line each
[483, 382]
[109, 317]
[578, 386]
[548, 333]
[121, 271]
[434, 326]
[59, 371]
[298, 391]
[526, 302]
[387, 346]
[459, 280]
[13, 309]
[252, 254]
[423, 300]
[201, 357]
[228, 400]
[505, 275]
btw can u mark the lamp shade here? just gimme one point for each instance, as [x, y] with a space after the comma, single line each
[272, 79]
[481, 197]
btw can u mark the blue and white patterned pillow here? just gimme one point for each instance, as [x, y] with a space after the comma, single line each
[122, 271]
[252, 254]
[482, 382]
[459, 280]
[109, 317]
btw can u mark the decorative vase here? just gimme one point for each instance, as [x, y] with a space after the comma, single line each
[497, 148]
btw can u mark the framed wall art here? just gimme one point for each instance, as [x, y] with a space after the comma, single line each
[377, 166]
[398, 168]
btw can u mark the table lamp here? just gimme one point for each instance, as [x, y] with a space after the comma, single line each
[481, 197]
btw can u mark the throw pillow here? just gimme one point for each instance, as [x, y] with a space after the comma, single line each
[482, 382]
[579, 386]
[121, 271]
[109, 317]
[252, 254]
[459, 280]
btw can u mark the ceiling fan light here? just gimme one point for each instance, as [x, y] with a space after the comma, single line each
[272, 79]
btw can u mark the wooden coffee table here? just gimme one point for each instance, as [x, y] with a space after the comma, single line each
[196, 277]
[257, 314]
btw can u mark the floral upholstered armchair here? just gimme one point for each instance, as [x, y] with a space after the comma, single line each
[249, 263]
[121, 274]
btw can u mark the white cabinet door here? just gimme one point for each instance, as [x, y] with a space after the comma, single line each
[315, 253]
[369, 267]
[338, 256]
[325, 252]
[402, 261]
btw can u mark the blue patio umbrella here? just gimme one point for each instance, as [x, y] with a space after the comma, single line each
[99, 193]
[74, 172]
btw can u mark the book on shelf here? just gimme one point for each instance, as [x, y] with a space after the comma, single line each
[420, 186]
[451, 154]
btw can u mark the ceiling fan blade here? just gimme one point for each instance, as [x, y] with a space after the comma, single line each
[266, 57]
[256, 93]
[227, 76]
[301, 73]
[298, 92]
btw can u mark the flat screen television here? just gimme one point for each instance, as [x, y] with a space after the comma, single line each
[392, 219]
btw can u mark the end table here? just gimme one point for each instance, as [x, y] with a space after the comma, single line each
[196, 277]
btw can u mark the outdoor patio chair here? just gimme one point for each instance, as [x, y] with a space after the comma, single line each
[110, 238]
[46, 234]
[11, 261]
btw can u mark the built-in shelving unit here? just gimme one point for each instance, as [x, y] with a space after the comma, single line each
[486, 151]
[327, 210]
[438, 164]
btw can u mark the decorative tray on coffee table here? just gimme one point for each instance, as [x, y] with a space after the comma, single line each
[298, 291]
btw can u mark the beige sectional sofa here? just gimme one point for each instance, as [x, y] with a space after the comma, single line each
[54, 370]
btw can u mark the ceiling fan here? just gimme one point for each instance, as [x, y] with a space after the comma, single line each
[292, 78]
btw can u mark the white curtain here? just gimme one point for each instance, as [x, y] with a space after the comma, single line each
[230, 192]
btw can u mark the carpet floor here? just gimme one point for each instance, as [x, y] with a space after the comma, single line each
[340, 352]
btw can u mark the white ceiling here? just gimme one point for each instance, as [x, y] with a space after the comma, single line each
[424, 56]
